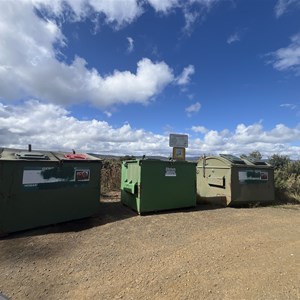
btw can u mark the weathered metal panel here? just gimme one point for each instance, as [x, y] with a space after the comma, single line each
[40, 192]
[155, 185]
[230, 182]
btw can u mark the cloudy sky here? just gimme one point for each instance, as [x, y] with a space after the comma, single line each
[118, 76]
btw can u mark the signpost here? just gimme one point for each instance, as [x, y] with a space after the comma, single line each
[179, 142]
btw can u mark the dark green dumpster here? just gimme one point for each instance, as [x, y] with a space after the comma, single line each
[150, 185]
[42, 188]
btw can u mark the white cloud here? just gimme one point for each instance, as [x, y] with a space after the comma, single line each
[288, 105]
[184, 77]
[246, 139]
[212, 138]
[28, 63]
[163, 5]
[193, 109]
[199, 129]
[130, 44]
[124, 87]
[235, 37]
[108, 113]
[287, 58]
[58, 130]
[194, 9]
[190, 18]
[118, 12]
[206, 3]
[29, 48]
[283, 6]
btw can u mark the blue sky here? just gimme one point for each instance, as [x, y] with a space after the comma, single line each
[118, 76]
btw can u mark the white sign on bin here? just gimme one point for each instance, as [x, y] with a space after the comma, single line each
[178, 140]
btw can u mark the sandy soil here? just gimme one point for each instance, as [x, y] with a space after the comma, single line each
[202, 253]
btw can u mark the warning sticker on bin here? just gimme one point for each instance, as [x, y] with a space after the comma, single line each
[251, 176]
[82, 175]
[170, 172]
[53, 177]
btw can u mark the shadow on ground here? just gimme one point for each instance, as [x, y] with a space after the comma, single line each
[111, 210]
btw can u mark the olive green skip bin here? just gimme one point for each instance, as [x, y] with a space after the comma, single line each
[233, 181]
[42, 188]
[150, 185]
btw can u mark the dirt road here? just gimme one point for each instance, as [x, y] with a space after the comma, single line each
[192, 254]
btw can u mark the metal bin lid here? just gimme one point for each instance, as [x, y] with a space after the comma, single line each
[233, 159]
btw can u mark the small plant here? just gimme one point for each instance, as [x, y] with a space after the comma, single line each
[286, 178]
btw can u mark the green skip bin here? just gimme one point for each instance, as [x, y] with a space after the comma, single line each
[150, 185]
[42, 188]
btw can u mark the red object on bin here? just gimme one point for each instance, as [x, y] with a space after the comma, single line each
[75, 156]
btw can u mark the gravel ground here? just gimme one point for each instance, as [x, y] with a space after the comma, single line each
[202, 253]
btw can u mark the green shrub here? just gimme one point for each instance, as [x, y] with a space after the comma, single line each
[286, 178]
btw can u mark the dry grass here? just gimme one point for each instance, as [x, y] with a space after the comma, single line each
[110, 175]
